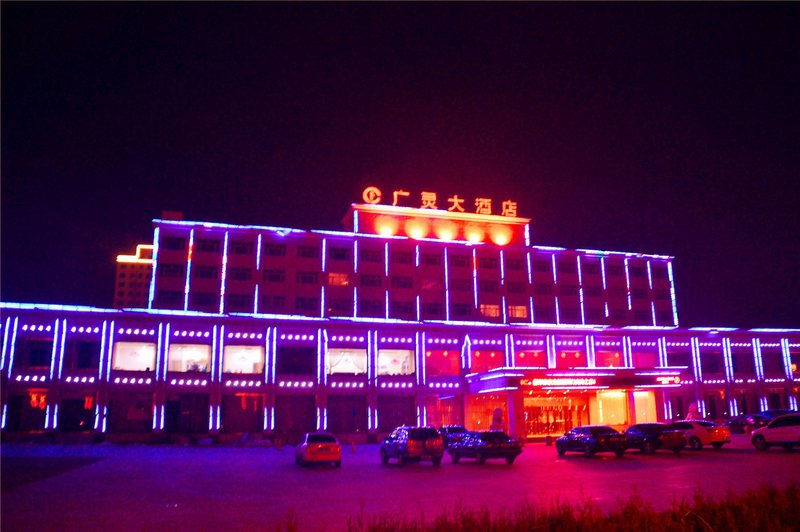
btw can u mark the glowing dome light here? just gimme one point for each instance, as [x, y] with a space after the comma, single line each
[386, 225]
[474, 233]
[445, 229]
[500, 235]
[417, 228]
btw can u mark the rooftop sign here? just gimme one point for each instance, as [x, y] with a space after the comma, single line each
[430, 200]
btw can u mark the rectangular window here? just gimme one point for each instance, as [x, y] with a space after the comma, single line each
[396, 362]
[433, 310]
[338, 279]
[205, 272]
[636, 271]
[307, 278]
[207, 245]
[430, 259]
[346, 361]
[638, 293]
[515, 288]
[134, 356]
[593, 291]
[171, 270]
[543, 289]
[296, 360]
[461, 310]
[237, 247]
[518, 311]
[308, 252]
[514, 264]
[459, 261]
[490, 311]
[169, 297]
[240, 302]
[371, 255]
[371, 281]
[595, 315]
[488, 286]
[240, 274]
[203, 299]
[306, 303]
[339, 253]
[338, 305]
[274, 276]
[659, 273]
[614, 270]
[38, 353]
[402, 282]
[431, 284]
[461, 285]
[568, 290]
[189, 357]
[660, 295]
[273, 303]
[274, 250]
[401, 257]
[173, 243]
[591, 268]
[544, 314]
[567, 267]
[402, 308]
[542, 265]
[243, 359]
[487, 262]
[371, 307]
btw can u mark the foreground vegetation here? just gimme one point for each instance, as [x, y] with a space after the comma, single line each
[765, 509]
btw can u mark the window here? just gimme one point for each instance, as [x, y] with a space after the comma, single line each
[430, 259]
[543, 289]
[664, 316]
[240, 274]
[371, 307]
[487, 262]
[274, 276]
[659, 273]
[660, 295]
[274, 250]
[402, 282]
[346, 361]
[515, 288]
[402, 308]
[591, 268]
[488, 286]
[544, 314]
[38, 353]
[87, 355]
[296, 360]
[205, 245]
[134, 356]
[461, 285]
[307, 278]
[594, 315]
[340, 306]
[240, 302]
[593, 291]
[570, 315]
[638, 293]
[205, 272]
[273, 303]
[339, 253]
[541, 265]
[431, 284]
[396, 362]
[514, 264]
[203, 299]
[173, 243]
[459, 261]
[371, 280]
[568, 290]
[171, 270]
[401, 257]
[237, 247]
[433, 310]
[371, 255]
[518, 311]
[462, 310]
[490, 311]
[306, 303]
[338, 279]
[636, 271]
[614, 270]
[189, 357]
[567, 267]
[169, 297]
[243, 359]
[308, 252]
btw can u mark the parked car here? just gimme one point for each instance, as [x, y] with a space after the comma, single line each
[700, 432]
[485, 444]
[783, 431]
[745, 423]
[412, 444]
[591, 439]
[775, 412]
[649, 437]
[318, 447]
[451, 434]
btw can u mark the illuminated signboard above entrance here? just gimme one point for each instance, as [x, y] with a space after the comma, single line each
[428, 221]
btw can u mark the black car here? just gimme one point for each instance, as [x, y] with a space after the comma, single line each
[591, 439]
[451, 434]
[746, 423]
[412, 444]
[485, 444]
[649, 437]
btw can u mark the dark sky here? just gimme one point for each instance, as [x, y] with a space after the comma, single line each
[650, 127]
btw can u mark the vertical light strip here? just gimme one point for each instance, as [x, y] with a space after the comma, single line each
[503, 303]
[758, 359]
[165, 353]
[155, 416]
[103, 355]
[628, 283]
[224, 274]
[322, 335]
[47, 417]
[446, 287]
[159, 347]
[13, 348]
[419, 355]
[591, 361]
[217, 350]
[322, 301]
[355, 301]
[55, 416]
[3, 422]
[466, 354]
[555, 274]
[527, 235]
[672, 294]
[508, 340]
[186, 287]
[386, 303]
[787, 359]
[258, 252]
[628, 350]
[105, 419]
[4, 347]
[530, 304]
[558, 313]
[211, 417]
[667, 409]
[153, 273]
[580, 291]
[662, 352]
[653, 312]
[698, 370]
[419, 315]
[255, 299]
[726, 358]
[386, 259]
[61, 350]
[550, 342]
[416, 256]
[371, 371]
[355, 221]
[355, 256]
[266, 357]
[54, 351]
[218, 416]
[502, 269]
[161, 418]
[110, 352]
[649, 276]
[475, 277]
[605, 295]
[530, 272]
[266, 418]
[274, 354]
[324, 254]
[320, 368]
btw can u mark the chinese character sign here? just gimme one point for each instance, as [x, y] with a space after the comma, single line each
[429, 200]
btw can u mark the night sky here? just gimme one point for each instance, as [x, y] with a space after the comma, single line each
[650, 127]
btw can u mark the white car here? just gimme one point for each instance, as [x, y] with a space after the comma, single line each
[783, 431]
[700, 432]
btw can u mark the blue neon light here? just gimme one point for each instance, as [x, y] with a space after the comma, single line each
[502, 269]
[5, 343]
[47, 417]
[224, 274]
[274, 353]
[475, 277]
[649, 276]
[558, 313]
[258, 252]
[54, 351]
[110, 350]
[215, 349]
[628, 284]
[672, 294]
[322, 301]
[61, 354]
[165, 353]
[355, 301]
[188, 270]
[324, 254]
[355, 256]
[355, 221]
[527, 235]
[446, 287]
[603, 271]
[159, 347]
[5, 411]
[255, 300]
[555, 275]
[153, 273]
[580, 291]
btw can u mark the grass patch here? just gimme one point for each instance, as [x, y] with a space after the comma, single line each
[767, 508]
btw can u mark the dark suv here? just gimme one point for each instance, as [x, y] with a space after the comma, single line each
[412, 444]
[452, 434]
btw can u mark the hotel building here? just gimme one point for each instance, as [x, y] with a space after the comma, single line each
[408, 316]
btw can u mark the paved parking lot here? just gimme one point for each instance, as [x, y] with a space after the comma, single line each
[80, 487]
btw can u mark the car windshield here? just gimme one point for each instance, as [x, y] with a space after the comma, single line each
[422, 434]
[602, 431]
[706, 423]
[494, 437]
[454, 430]
[650, 428]
[321, 438]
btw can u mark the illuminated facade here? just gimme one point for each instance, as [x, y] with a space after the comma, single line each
[412, 315]
[132, 279]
